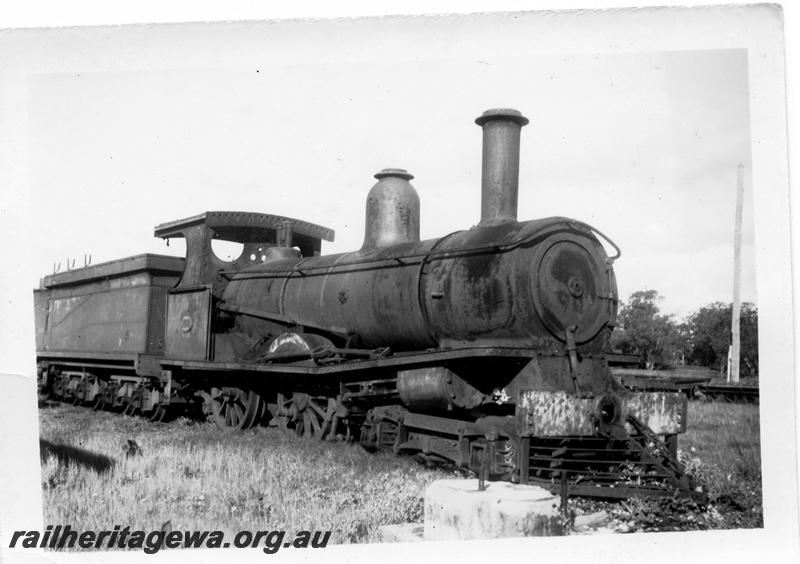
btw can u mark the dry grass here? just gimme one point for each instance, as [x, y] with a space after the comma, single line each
[199, 477]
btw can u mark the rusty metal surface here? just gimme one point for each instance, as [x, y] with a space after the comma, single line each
[637, 464]
[355, 368]
[436, 387]
[122, 268]
[258, 233]
[392, 214]
[500, 165]
[662, 412]
[245, 226]
[117, 315]
[379, 303]
[572, 288]
[188, 329]
[560, 414]
[493, 295]
[472, 286]
[115, 308]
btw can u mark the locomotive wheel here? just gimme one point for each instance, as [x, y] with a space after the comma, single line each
[85, 388]
[255, 411]
[99, 403]
[139, 400]
[300, 427]
[314, 417]
[317, 420]
[159, 413]
[100, 400]
[282, 412]
[264, 414]
[77, 393]
[80, 392]
[67, 395]
[117, 405]
[58, 386]
[234, 408]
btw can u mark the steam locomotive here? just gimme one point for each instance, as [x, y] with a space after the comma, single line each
[485, 348]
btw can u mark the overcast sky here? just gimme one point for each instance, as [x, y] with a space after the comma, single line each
[635, 128]
[644, 146]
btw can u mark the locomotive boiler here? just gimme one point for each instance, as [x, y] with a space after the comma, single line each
[485, 347]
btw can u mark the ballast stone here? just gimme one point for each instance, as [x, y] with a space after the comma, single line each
[456, 509]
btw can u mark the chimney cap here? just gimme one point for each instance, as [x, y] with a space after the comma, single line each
[502, 114]
[396, 172]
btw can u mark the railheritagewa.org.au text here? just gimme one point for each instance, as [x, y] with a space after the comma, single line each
[65, 537]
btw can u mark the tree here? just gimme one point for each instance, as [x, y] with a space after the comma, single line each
[643, 330]
[709, 332]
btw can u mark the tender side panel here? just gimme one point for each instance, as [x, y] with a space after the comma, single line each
[95, 319]
[121, 314]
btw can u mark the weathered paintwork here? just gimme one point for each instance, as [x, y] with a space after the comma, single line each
[500, 164]
[545, 414]
[392, 214]
[116, 307]
[188, 332]
[261, 235]
[476, 286]
[436, 388]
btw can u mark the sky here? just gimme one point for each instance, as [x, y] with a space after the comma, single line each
[644, 146]
[635, 128]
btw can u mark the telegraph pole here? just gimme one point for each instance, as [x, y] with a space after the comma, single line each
[733, 373]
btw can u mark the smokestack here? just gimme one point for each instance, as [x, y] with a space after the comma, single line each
[500, 167]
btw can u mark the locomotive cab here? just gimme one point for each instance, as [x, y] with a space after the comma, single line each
[264, 238]
[191, 304]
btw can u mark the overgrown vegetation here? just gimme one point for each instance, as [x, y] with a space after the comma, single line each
[721, 450]
[198, 477]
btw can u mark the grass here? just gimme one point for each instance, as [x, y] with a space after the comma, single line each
[200, 478]
[721, 450]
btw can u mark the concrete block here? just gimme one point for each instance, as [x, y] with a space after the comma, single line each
[455, 509]
[406, 532]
